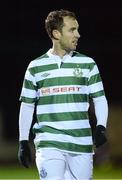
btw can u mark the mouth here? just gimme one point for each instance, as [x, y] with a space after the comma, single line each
[75, 42]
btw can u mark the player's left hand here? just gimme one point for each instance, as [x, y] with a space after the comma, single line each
[100, 136]
[24, 154]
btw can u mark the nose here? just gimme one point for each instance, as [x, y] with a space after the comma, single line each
[77, 34]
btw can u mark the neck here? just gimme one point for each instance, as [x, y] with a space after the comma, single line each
[56, 50]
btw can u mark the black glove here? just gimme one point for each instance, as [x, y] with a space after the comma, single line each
[99, 136]
[24, 153]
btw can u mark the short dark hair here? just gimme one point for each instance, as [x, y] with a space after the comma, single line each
[54, 20]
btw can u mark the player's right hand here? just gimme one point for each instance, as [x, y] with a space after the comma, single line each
[24, 153]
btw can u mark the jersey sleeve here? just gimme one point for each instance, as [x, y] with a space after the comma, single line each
[95, 84]
[29, 89]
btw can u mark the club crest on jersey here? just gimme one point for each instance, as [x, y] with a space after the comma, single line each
[77, 72]
[43, 173]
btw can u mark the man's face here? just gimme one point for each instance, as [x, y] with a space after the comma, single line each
[69, 35]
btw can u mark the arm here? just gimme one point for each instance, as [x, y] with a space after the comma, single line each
[101, 112]
[28, 97]
[25, 121]
[96, 92]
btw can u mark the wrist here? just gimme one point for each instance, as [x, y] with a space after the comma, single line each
[101, 127]
[23, 143]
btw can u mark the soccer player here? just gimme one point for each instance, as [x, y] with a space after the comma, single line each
[60, 85]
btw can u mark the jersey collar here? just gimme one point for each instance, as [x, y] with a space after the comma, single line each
[54, 55]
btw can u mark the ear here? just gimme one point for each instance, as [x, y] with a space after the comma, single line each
[56, 34]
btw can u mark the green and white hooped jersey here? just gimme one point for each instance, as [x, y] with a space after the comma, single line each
[61, 89]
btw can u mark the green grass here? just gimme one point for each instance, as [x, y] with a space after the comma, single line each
[18, 172]
[107, 172]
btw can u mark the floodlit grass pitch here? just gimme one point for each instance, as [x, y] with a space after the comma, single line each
[17, 172]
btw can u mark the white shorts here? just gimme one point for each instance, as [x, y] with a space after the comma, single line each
[53, 164]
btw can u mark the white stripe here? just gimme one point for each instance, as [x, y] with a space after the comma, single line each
[76, 124]
[63, 138]
[41, 62]
[54, 59]
[67, 89]
[64, 107]
[94, 71]
[81, 60]
[96, 87]
[63, 72]
[28, 93]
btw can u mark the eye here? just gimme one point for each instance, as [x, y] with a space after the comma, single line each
[72, 29]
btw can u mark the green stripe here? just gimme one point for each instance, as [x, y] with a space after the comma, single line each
[97, 94]
[59, 81]
[94, 79]
[27, 100]
[66, 116]
[65, 98]
[72, 132]
[65, 146]
[42, 68]
[78, 65]
[29, 85]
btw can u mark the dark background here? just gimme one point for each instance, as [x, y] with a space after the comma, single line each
[23, 38]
